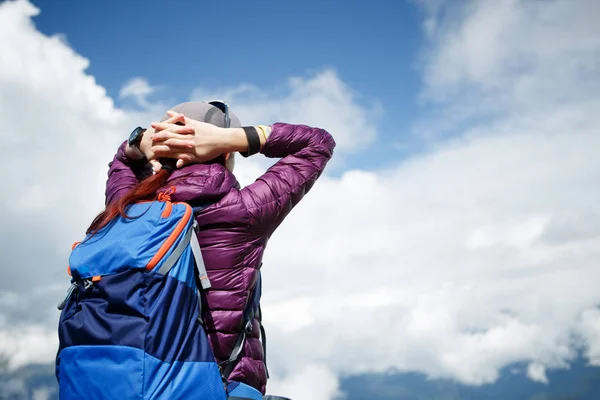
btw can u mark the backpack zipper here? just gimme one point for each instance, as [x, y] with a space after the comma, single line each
[164, 248]
[63, 303]
[87, 283]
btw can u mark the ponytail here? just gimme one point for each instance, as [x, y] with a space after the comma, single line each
[144, 190]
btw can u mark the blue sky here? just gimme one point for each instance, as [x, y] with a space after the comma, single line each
[373, 45]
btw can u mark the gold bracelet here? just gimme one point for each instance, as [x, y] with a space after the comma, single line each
[268, 130]
[263, 129]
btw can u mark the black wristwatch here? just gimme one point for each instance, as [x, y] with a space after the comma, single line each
[134, 142]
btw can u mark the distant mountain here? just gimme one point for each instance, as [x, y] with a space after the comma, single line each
[580, 382]
[31, 382]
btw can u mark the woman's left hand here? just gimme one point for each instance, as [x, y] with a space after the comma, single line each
[204, 143]
[147, 141]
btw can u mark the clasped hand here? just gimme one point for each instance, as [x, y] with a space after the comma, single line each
[184, 139]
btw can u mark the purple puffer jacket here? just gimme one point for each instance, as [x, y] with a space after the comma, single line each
[235, 229]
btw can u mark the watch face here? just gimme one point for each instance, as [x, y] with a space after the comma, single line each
[135, 135]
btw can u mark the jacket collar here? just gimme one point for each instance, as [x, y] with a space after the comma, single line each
[201, 183]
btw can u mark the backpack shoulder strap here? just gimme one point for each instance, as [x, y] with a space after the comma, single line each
[252, 310]
[174, 256]
[200, 266]
[189, 238]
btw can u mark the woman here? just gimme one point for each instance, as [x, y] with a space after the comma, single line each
[235, 223]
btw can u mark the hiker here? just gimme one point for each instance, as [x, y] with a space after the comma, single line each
[189, 157]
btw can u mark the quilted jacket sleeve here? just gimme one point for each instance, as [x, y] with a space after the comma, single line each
[304, 153]
[123, 174]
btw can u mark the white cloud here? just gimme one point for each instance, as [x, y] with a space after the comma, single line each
[139, 89]
[322, 99]
[59, 127]
[537, 372]
[458, 262]
[313, 381]
[515, 47]
[28, 343]
[482, 252]
[590, 332]
[41, 394]
[509, 58]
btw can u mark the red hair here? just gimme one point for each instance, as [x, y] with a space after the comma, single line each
[145, 190]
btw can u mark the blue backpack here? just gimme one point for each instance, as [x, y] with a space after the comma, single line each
[131, 325]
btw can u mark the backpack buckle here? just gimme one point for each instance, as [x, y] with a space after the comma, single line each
[87, 283]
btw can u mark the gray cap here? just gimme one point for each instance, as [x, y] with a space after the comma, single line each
[204, 112]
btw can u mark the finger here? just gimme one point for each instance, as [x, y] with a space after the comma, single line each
[179, 117]
[166, 151]
[183, 162]
[156, 166]
[179, 143]
[184, 129]
[186, 120]
[173, 127]
[181, 129]
[166, 135]
[174, 117]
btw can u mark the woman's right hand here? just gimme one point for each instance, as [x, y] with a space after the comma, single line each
[206, 141]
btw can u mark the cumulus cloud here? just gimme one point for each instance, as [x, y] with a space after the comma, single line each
[589, 330]
[457, 262]
[312, 381]
[27, 343]
[508, 58]
[483, 251]
[537, 372]
[139, 89]
[62, 126]
[321, 99]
